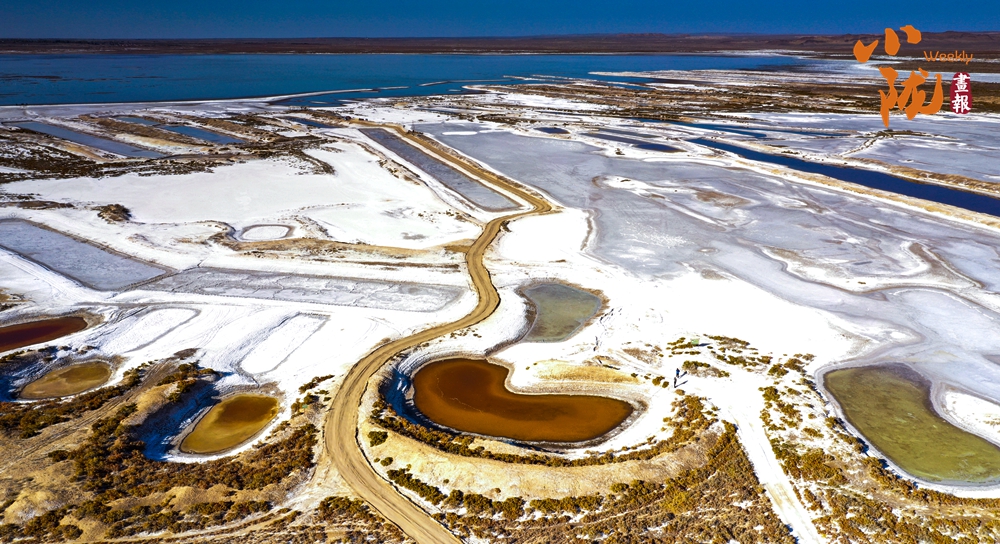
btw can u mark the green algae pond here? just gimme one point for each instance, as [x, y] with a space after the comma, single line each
[890, 406]
[470, 395]
[230, 423]
[68, 380]
[559, 311]
[36, 332]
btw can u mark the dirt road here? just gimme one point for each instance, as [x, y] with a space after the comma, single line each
[341, 427]
[750, 430]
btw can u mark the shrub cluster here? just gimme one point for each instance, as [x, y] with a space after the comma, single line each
[404, 479]
[112, 465]
[689, 420]
[185, 377]
[314, 382]
[362, 522]
[111, 462]
[721, 501]
[376, 438]
[511, 508]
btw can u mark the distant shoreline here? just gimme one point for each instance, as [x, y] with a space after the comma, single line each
[983, 44]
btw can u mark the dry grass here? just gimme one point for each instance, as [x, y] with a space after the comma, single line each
[720, 199]
[559, 371]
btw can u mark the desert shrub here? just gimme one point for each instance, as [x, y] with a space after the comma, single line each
[777, 371]
[111, 462]
[404, 479]
[689, 420]
[511, 507]
[571, 505]
[301, 404]
[314, 382]
[114, 213]
[186, 376]
[376, 438]
[364, 524]
[111, 465]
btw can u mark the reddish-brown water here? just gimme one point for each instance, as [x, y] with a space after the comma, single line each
[34, 332]
[470, 395]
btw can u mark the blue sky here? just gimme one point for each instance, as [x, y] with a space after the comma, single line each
[380, 18]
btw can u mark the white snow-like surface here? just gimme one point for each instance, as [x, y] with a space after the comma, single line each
[280, 343]
[542, 102]
[265, 232]
[137, 331]
[944, 143]
[972, 413]
[256, 191]
[362, 202]
[689, 246]
[404, 226]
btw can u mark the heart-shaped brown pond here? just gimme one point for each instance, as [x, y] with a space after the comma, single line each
[470, 395]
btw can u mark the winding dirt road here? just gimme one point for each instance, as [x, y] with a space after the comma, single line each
[341, 427]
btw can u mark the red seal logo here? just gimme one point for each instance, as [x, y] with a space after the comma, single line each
[961, 93]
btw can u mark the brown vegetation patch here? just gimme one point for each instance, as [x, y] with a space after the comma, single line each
[719, 501]
[29, 202]
[555, 370]
[114, 213]
[25, 420]
[245, 129]
[721, 199]
[114, 127]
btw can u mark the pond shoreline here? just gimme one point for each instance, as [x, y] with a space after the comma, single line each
[931, 390]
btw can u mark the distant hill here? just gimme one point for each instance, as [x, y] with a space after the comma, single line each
[980, 43]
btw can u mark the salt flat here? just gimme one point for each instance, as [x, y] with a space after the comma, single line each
[275, 271]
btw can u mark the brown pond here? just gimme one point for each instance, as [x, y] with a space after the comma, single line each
[230, 423]
[68, 380]
[469, 395]
[34, 332]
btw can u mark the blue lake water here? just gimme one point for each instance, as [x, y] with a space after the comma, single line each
[868, 178]
[472, 190]
[139, 121]
[637, 143]
[92, 141]
[79, 79]
[202, 134]
[309, 122]
[186, 130]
